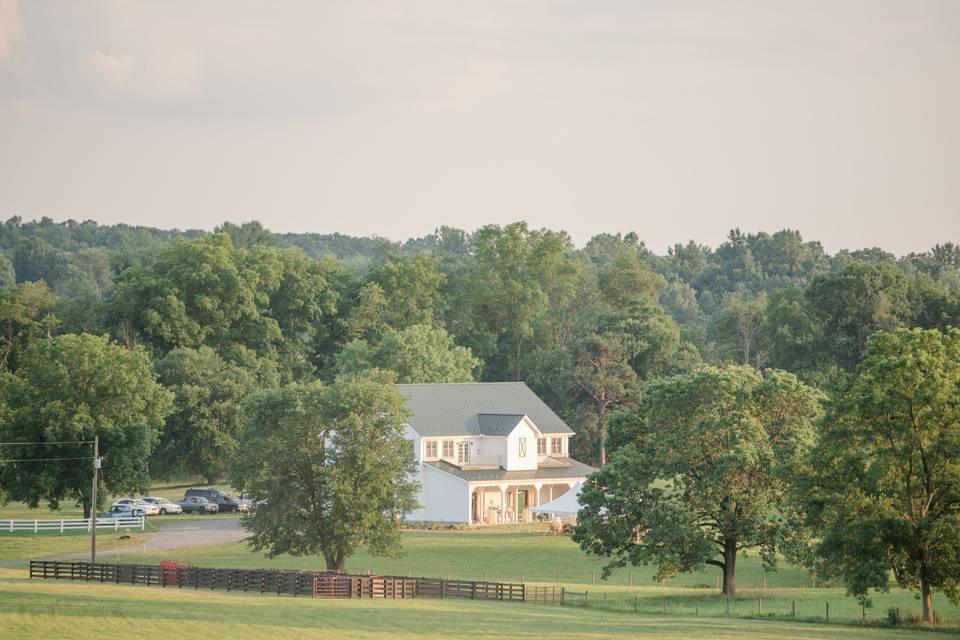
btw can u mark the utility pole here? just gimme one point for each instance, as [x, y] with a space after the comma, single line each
[93, 500]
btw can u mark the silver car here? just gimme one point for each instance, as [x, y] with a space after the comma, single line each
[137, 503]
[198, 505]
[164, 506]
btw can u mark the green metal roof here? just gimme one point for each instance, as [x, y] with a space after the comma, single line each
[574, 470]
[468, 408]
[497, 424]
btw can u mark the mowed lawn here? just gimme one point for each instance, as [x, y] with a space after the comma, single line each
[38, 609]
[509, 553]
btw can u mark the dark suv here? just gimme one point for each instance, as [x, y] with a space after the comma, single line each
[227, 504]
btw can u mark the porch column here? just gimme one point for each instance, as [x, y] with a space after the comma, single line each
[503, 505]
[470, 503]
[537, 486]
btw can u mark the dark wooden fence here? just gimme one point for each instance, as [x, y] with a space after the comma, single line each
[322, 584]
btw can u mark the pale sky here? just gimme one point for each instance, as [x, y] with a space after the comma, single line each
[678, 120]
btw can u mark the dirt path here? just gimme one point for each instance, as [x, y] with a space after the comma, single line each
[172, 535]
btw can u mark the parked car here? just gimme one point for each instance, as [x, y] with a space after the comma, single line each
[197, 504]
[122, 511]
[146, 507]
[165, 506]
[226, 503]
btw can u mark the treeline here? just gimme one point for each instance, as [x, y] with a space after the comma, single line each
[587, 328]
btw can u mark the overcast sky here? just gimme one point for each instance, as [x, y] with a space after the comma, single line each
[677, 120]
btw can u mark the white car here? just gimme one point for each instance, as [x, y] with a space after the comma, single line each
[164, 505]
[146, 507]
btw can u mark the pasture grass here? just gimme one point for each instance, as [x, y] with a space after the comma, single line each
[513, 552]
[48, 609]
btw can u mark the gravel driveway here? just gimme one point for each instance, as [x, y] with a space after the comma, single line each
[172, 535]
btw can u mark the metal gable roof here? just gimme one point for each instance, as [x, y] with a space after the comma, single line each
[455, 409]
[498, 424]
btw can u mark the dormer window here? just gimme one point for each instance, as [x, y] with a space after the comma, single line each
[430, 449]
[448, 449]
[541, 446]
[556, 446]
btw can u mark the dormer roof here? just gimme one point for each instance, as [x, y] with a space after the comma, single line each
[476, 409]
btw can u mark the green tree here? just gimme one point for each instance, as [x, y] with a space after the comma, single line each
[608, 382]
[418, 353]
[68, 389]
[26, 313]
[885, 479]
[331, 464]
[411, 288]
[855, 302]
[738, 329]
[8, 275]
[700, 472]
[201, 433]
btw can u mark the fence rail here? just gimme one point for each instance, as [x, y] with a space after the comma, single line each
[321, 584]
[75, 524]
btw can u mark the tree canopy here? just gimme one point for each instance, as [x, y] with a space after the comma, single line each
[884, 483]
[331, 465]
[700, 472]
[68, 389]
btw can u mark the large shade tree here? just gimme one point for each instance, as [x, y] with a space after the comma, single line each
[201, 433]
[332, 466]
[885, 479]
[700, 472]
[67, 390]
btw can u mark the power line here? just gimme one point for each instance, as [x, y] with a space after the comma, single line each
[43, 459]
[50, 442]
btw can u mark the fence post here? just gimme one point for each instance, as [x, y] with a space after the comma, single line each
[728, 607]
[760, 607]
[664, 605]
[793, 608]
[563, 593]
[35, 525]
[586, 598]
[61, 526]
[828, 611]
[636, 602]
[863, 613]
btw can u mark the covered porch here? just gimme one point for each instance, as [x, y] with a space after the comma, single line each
[510, 502]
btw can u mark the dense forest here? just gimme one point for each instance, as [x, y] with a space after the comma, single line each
[243, 308]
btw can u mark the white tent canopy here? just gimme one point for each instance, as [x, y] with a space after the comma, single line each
[566, 505]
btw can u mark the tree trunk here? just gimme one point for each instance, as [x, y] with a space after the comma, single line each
[335, 560]
[603, 442]
[730, 568]
[927, 596]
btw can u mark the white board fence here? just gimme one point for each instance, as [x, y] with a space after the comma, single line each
[36, 526]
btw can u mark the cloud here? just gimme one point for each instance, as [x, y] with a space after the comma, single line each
[11, 29]
[113, 71]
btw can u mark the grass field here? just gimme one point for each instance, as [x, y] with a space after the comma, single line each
[36, 609]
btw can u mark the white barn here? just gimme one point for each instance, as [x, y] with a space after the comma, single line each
[486, 452]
